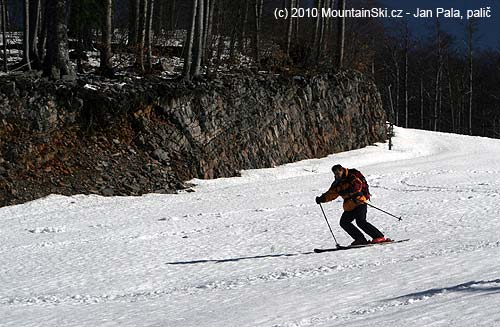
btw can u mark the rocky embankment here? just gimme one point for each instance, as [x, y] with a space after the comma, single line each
[136, 136]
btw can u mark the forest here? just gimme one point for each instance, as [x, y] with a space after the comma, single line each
[434, 80]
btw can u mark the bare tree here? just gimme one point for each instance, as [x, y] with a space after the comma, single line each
[451, 98]
[421, 102]
[328, 26]
[133, 21]
[206, 11]
[198, 40]
[406, 50]
[471, 27]
[3, 13]
[317, 26]
[188, 59]
[172, 15]
[149, 35]
[296, 24]
[340, 36]
[34, 26]
[391, 117]
[243, 31]
[106, 53]
[42, 34]
[395, 69]
[26, 38]
[321, 37]
[209, 13]
[141, 36]
[293, 4]
[56, 64]
[258, 5]
[222, 20]
[235, 27]
[437, 82]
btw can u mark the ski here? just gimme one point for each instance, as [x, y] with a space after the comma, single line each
[350, 247]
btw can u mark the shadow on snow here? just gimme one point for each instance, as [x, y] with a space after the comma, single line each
[237, 259]
[484, 286]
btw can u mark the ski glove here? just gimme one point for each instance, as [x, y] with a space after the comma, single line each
[320, 199]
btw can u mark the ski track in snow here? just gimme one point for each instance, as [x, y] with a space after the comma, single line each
[413, 299]
[432, 295]
[238, 251]
[242, 282]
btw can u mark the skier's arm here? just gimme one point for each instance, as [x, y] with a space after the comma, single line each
[331, 194]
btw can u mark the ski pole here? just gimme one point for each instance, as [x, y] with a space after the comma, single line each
[338, 245]
[390, 214]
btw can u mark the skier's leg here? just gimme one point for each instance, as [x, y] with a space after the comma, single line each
[346, 223]
[360, 216]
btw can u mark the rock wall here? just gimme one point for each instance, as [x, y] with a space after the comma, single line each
[131, 137]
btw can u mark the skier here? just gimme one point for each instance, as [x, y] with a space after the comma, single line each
[353, 190]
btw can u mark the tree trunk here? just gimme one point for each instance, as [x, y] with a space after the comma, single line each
[188, 47]
[328, 27]
[316, 29]
[398, 89]
[450, 92]
[141, 36]
[220, 13]
[172, 15]
[438, 77]
[436, 97]
[258, 16]
[26, 35]
[149, 35]
[106, 53]
[469, 41]
[34, 25]
[243, 32]
[407, 37]
[421, 103]
[3, 13]
[209, 29]
[42, 35]
[133, 22]
[321, 37]
[290, 28]
[391, 118]
[461, 109]
[198, 41]
[284, 5]
[206, 12]
[158, 20]
[234, 33]
[56, 64]
[296, 25]
[440, 102]
[341, 36]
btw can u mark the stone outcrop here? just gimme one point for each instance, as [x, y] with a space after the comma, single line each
[136, 136]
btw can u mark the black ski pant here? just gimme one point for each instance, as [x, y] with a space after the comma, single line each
[358, 214]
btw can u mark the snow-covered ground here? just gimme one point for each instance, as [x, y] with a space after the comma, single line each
[238, 251]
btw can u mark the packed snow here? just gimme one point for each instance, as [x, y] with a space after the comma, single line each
[238, 251]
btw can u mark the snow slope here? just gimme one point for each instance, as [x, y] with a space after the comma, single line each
[238, 251]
